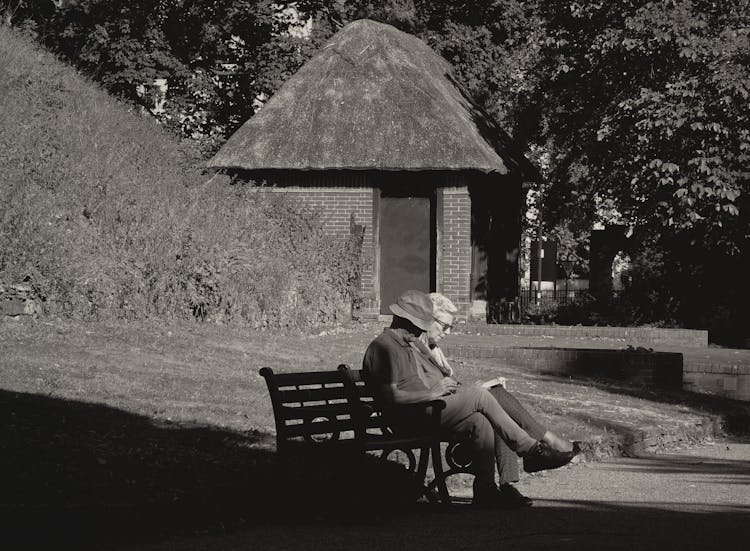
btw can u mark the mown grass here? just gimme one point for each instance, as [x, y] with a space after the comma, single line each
[168, 426]
[207, 375]
[108, 216]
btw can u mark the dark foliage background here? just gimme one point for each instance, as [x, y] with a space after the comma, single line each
[635, 112]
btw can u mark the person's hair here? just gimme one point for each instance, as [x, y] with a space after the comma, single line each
[402, 323]
[443, 303]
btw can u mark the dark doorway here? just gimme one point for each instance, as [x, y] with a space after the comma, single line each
[407, 242]
[496, 207]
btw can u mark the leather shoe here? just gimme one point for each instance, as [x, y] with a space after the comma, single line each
[506, 496]
[543, 457]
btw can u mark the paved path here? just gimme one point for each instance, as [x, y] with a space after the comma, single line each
[697, 498]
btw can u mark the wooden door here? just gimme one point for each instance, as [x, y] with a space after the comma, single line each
[407, 246]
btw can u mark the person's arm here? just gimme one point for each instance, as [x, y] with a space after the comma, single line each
[379, 363]
[445, 386]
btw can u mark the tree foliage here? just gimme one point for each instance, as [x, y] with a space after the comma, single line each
[635, 111]
[645, 110]
[220, 58]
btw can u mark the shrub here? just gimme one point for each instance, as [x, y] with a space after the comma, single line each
[106, 215]
[544, 312]
[581, 311]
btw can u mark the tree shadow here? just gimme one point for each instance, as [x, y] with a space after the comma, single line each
[550, 524]
[86, 473]
[94, 476]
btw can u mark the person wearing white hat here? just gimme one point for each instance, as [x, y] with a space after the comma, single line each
[400, 366]
[506, 460]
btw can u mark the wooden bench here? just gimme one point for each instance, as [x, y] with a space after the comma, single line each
[336, 410]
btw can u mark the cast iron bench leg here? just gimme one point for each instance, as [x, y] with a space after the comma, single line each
[437, 467]
[424, 457]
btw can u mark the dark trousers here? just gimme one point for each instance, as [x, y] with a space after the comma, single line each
[491, 449]
[507, 460]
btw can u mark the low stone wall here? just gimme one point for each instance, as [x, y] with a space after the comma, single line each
[655, 439]
[18, 300]
[732, 381]
[640, 367]
[630, 335]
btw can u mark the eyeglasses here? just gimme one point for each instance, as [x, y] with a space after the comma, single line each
[445, 326]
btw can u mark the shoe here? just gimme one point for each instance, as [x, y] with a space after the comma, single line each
[506, 496]
[543, 457]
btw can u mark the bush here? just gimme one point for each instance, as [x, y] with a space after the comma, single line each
[544, 312]
[106, 215]
[584, 310]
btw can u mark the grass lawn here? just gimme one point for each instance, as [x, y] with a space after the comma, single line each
[109, 413]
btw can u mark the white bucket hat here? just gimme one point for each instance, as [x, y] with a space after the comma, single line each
[415, 306]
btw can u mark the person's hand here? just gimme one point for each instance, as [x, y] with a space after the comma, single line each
[447, 385]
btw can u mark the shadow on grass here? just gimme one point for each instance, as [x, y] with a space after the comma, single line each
[734, 415]
[727, 471]
[553, 524]
[85, 473]
[95, 477]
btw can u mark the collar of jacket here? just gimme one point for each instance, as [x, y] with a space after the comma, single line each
[401, 336]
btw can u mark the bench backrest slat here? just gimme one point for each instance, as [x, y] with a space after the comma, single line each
[305, 395]
[369, 413]
[306, 378]
[312, 406]
[322, 429]
[291, 413]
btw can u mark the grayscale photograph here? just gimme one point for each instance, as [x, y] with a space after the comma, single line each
[374, 275]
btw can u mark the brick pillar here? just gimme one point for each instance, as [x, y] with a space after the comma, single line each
[454, 246]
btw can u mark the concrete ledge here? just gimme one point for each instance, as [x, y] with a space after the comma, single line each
[641, 367]
[655, 439]
[634, 335]
[729, 380]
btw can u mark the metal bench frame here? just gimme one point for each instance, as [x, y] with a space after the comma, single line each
[337, 410]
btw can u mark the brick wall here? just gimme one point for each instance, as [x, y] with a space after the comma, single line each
[338, 198]
[454, 244]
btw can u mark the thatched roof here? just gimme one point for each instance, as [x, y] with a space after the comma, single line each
[373, 97]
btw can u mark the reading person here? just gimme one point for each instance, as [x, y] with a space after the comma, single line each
[506, 459]
[402, 368]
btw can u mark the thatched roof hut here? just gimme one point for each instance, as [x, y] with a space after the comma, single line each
[373, 97]
[376, 134]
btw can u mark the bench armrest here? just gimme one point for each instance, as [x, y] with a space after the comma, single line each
[437, 404]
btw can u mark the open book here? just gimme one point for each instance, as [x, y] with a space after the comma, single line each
[492, 383]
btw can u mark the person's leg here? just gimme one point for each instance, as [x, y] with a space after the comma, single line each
[526, 421]
[483, 439]
[518, 413]
[470, 400]
[507, 462]
[486, 492]
[468, 403]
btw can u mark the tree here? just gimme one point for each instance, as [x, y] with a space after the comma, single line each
[217, 56]
[646, 110]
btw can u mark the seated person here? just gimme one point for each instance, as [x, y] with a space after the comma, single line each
[507, 462]
[403, 370]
